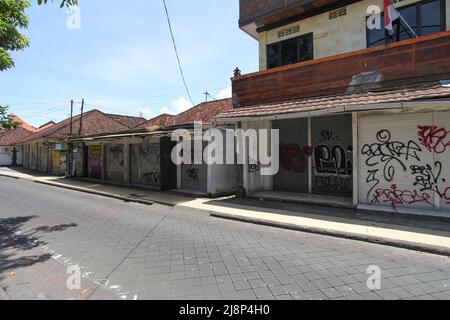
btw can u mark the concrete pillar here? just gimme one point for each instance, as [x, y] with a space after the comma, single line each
[126, 164]
[355, 133]
[103, 161]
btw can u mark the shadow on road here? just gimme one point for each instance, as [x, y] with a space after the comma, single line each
[14, 244]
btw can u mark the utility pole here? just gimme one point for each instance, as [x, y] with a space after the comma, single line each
[81, 117]
[71, 117]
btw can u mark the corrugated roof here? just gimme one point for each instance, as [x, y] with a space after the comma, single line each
[404, 93]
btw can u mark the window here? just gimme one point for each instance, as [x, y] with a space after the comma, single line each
[425, 17]
[290, 51]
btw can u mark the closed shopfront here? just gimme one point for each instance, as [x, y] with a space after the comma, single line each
[330, 154]
[55, 161]
[43, 158]
[195, 176]
[146, 164]
[294, 155]
[333, 155]
[115, 161]
[95, 162]
[26, 156]
[405, 160]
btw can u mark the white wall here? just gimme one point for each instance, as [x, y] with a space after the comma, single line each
[331, 37]
[254, 181]
[6, 155]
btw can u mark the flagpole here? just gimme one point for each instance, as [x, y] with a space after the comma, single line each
[403, 19]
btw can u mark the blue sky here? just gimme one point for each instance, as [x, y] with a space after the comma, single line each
[122, 60]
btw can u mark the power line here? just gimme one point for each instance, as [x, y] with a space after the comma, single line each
[47, 60]
[176, 53]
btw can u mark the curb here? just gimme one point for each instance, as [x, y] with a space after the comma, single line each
[83, 190]
[351, 236]
[98, 193]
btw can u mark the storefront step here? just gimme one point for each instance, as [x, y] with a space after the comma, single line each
[324, 200]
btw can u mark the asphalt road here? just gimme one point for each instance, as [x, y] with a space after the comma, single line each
[132, 251]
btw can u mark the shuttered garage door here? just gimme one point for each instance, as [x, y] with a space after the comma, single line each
[442, 154]
[333, 155]
[115, 162]
[294, 153]
[145, 164]
[392, 158]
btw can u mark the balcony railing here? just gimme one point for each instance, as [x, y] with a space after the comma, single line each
[422, 59]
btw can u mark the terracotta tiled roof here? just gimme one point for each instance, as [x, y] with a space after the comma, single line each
[94, 122]
[420, 91]
[23, 124]
[204, 112]
[163, 120]
[46, 125]
[130, 122]
[11, 137]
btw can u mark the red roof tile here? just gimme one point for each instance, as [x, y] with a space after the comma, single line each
[11, 137]
[386, 95]
[94, 122]
[13, 118]
[46, 125]
[163, 120]
[130, 122]
[204, 112]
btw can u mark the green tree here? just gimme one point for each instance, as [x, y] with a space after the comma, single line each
[5, 122]
[13, 20]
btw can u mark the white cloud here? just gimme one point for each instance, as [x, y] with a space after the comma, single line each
[146, 113]
[119, 106]
[225, 93]
[178, 106]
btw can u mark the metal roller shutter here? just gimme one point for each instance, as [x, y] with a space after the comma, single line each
[393, 163]
[115, 162]
[146, 164]
[333, 155]
[442, 155]
[294, 154]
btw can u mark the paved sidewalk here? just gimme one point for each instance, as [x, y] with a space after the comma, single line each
[414, 238]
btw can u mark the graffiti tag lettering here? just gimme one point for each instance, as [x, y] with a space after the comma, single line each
[333, 183]
[333, 160]
[193, 174]
[254, 168]
[293, 158]
[435, 139]
[447, 195]
[395, 197]
[389, 154]
[151, 178]
[327, 135]
[427, 178]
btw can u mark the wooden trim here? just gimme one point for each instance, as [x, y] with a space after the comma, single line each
[347, 55]
[406, 62]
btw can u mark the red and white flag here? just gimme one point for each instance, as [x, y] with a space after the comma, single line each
[390, 15]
